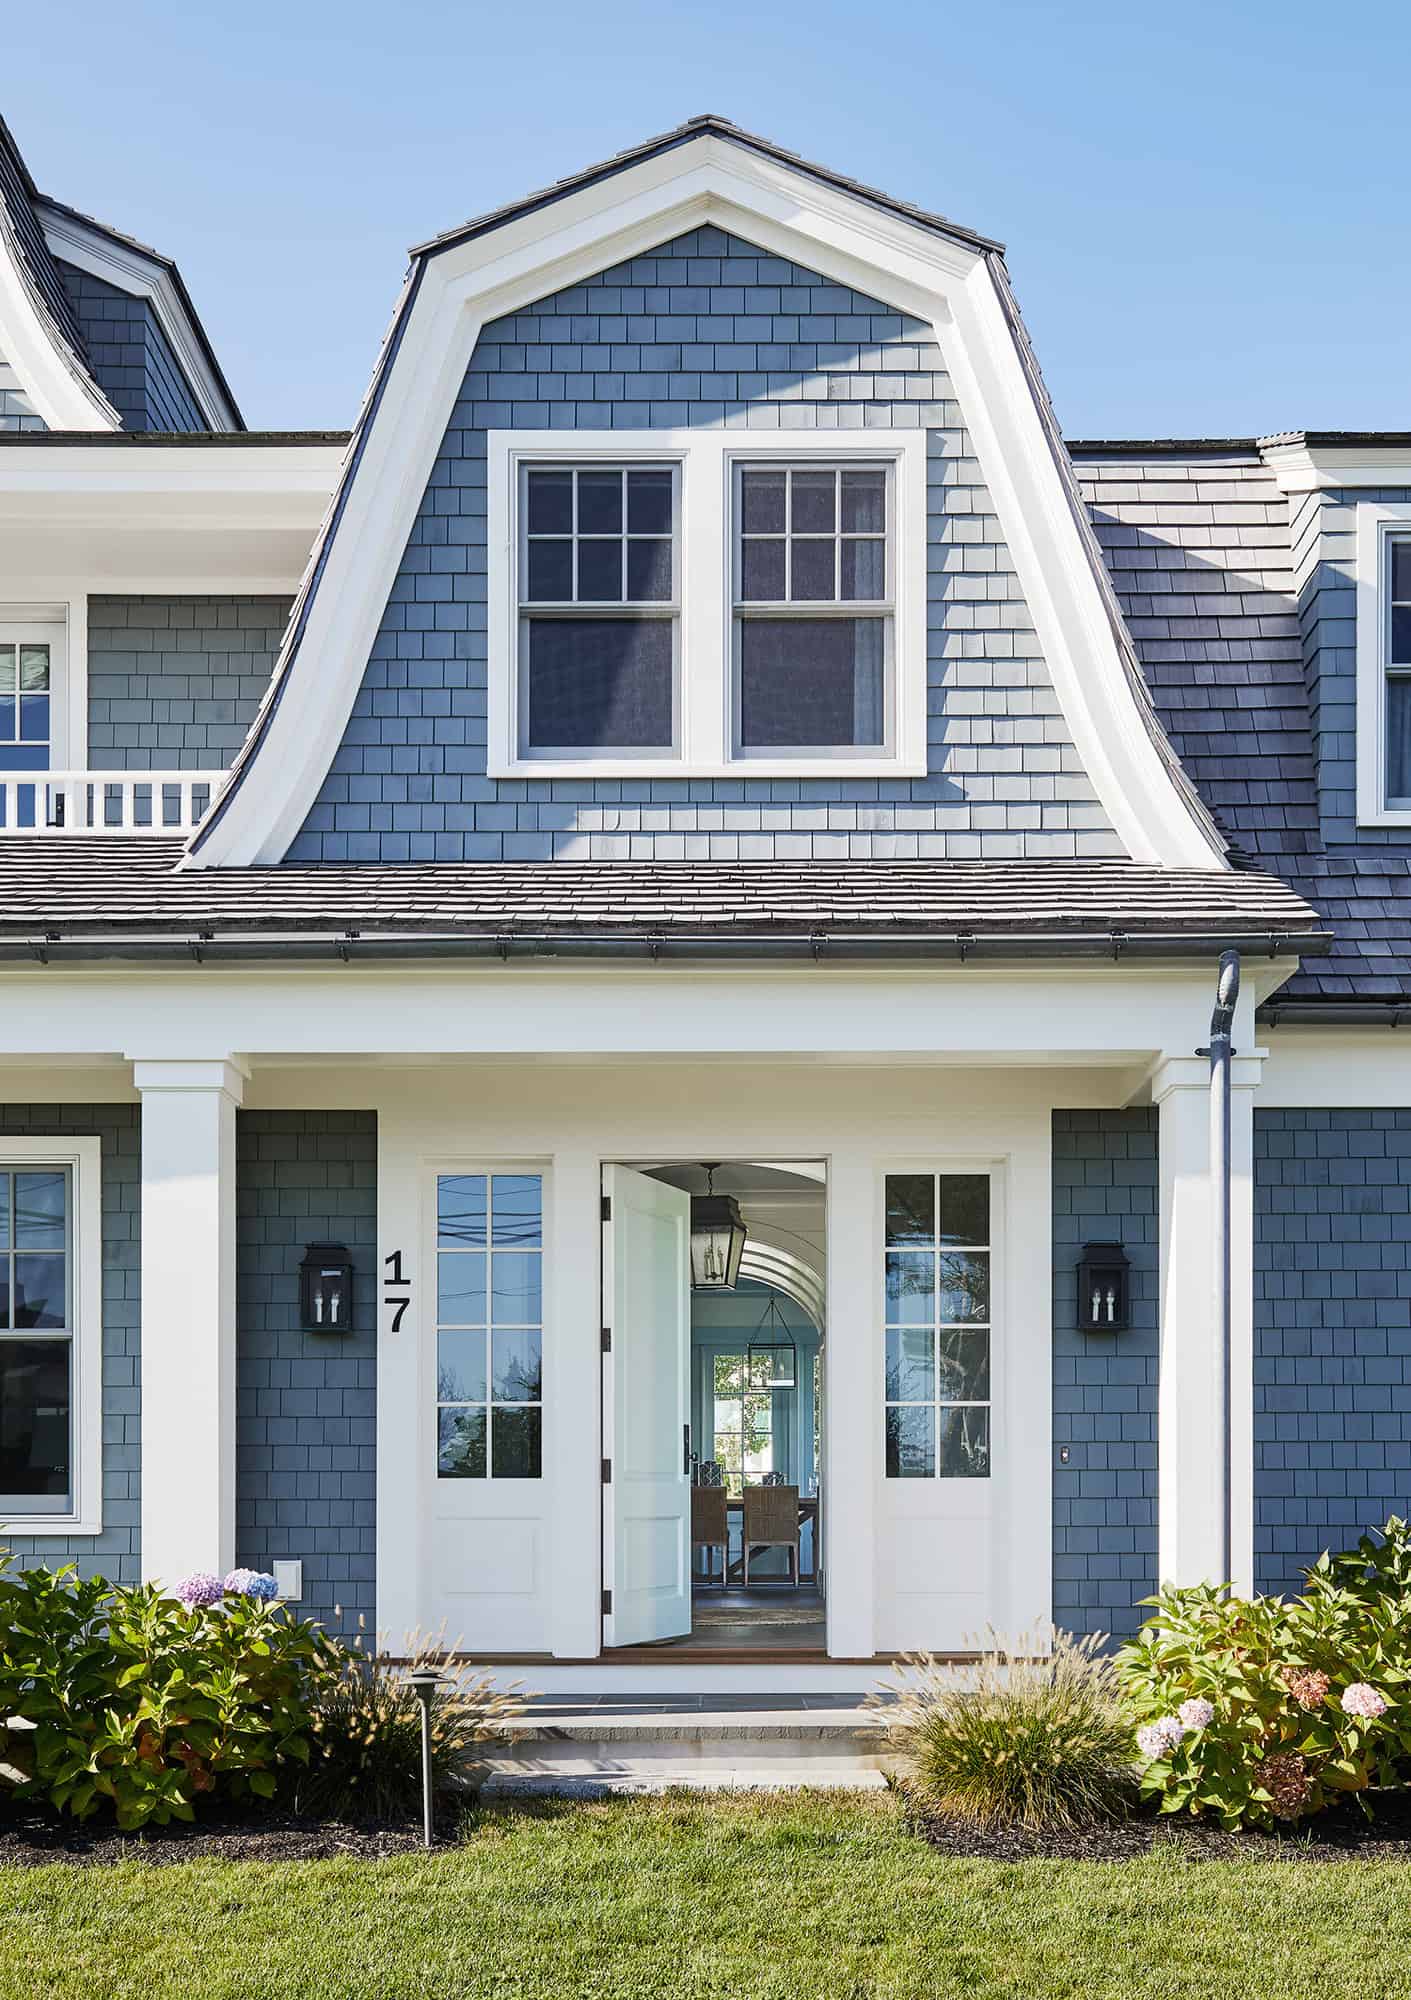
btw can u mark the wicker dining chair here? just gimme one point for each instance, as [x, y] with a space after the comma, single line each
[772, 1522]
[710, 1527]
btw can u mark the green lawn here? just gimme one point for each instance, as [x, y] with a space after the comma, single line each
[753, 1898]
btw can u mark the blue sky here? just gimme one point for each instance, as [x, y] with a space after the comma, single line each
[1205, 206]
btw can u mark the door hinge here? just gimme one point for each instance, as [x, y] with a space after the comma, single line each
[607, 1604]
[607, 1340]
[607, 1472]
[606, 1209]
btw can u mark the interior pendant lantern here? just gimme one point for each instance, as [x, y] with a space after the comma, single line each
[717, 1238]
[773, 1359]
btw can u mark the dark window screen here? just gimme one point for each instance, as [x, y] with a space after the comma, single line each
[600, 684]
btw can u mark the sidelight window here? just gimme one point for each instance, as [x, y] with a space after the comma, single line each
[489, 1326]
[937, 1290]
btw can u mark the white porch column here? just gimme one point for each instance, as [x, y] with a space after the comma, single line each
[188, 1315]
[852, 1406]
[573, 1369]
[1189, 1483]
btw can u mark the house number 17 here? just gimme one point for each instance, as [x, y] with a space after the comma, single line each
[396, 1289]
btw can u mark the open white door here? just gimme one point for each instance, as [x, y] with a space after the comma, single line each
[647, 1517]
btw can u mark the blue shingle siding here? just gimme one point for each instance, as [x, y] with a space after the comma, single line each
[307, 1403]
[1332, 1332]
[131, 357]
[1104, 1386]
[707, 330]
[173, 682]
[116, 1552]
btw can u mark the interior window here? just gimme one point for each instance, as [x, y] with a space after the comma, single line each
[36, 1341]
[744, 1419]
[598, 609]
[813, 609]
[1397, 640]
[489, 1326]
[937, 1291]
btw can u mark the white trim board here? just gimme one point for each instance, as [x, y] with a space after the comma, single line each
[129, 269]
[52, 378]
[84, 1158]
[706, 179]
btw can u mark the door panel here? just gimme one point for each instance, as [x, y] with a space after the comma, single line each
[648, 1514]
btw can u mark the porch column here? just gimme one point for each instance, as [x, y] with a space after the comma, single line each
[188, 1315]
[1189, 1481]
[852, 1407]
[573, 1446]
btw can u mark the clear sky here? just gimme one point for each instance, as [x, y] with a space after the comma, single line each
[1205, 204]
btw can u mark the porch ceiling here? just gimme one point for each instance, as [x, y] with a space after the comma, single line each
[105, 896]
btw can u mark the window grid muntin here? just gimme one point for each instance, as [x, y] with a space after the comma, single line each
[26, 704]
[938, 1323]
[530, 609]
[11, 1251]
[487, 1324]
[853, 608]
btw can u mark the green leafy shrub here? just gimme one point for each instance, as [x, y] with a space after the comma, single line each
[132, 1700]
[1265, 1709]
[1032, 1736]
[366, 1733]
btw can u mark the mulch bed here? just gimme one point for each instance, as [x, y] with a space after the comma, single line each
[28, 1840]
[1341, 1834]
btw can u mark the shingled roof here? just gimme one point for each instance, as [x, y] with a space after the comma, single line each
[104, 896]
[1197, 537]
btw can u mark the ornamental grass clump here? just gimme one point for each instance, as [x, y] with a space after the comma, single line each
[1032, 1736]
[366, 1732]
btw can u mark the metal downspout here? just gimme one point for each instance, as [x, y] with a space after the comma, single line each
[1221, 1049]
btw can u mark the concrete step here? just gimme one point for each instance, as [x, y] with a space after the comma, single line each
[739, 1743]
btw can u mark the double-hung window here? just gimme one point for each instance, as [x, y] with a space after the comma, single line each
[50, 1334]
[26, 698]
[812, 609]
[598, 613]
[1396, 656]
[707, 603]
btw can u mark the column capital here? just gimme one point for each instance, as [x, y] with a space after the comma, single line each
[228, 1074]
[1192, 1072]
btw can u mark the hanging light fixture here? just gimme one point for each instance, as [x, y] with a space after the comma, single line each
[778, 1357]
[717, 1237]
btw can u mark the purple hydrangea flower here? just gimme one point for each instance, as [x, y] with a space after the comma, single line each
[1197, 1713]
[1160, 1738]
[1363, 1700]
[252, 1583]
[201, 1587]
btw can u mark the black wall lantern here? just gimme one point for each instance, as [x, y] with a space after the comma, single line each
[717, 1238]
[1104, 1289]
[326, 1289]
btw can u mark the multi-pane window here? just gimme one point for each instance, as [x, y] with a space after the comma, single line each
[36, 1340]
[743, 1420]
[25, 694]
[1397, 640]
[937, 1290]
[813, 608]
[489, 1326]
[598, 611]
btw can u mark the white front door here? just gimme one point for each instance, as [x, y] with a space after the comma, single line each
[647, 1288]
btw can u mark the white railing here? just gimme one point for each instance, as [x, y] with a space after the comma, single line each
[89, 802]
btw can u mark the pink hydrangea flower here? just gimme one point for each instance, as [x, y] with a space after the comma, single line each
[1197, 1713]
[1160, 1738]
[1364, 1701]
[201, 1587]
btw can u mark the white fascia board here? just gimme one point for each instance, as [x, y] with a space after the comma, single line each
[1301, 468]
[191, 474]
[52, 378]
[130, 270]
[919, 271]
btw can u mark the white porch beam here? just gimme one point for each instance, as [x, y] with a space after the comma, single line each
[1189, 1478]
[188, 1314]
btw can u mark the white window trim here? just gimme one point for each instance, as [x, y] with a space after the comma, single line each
[84, 1160]
[705, 558]
[63, 626]
[1375, 523]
